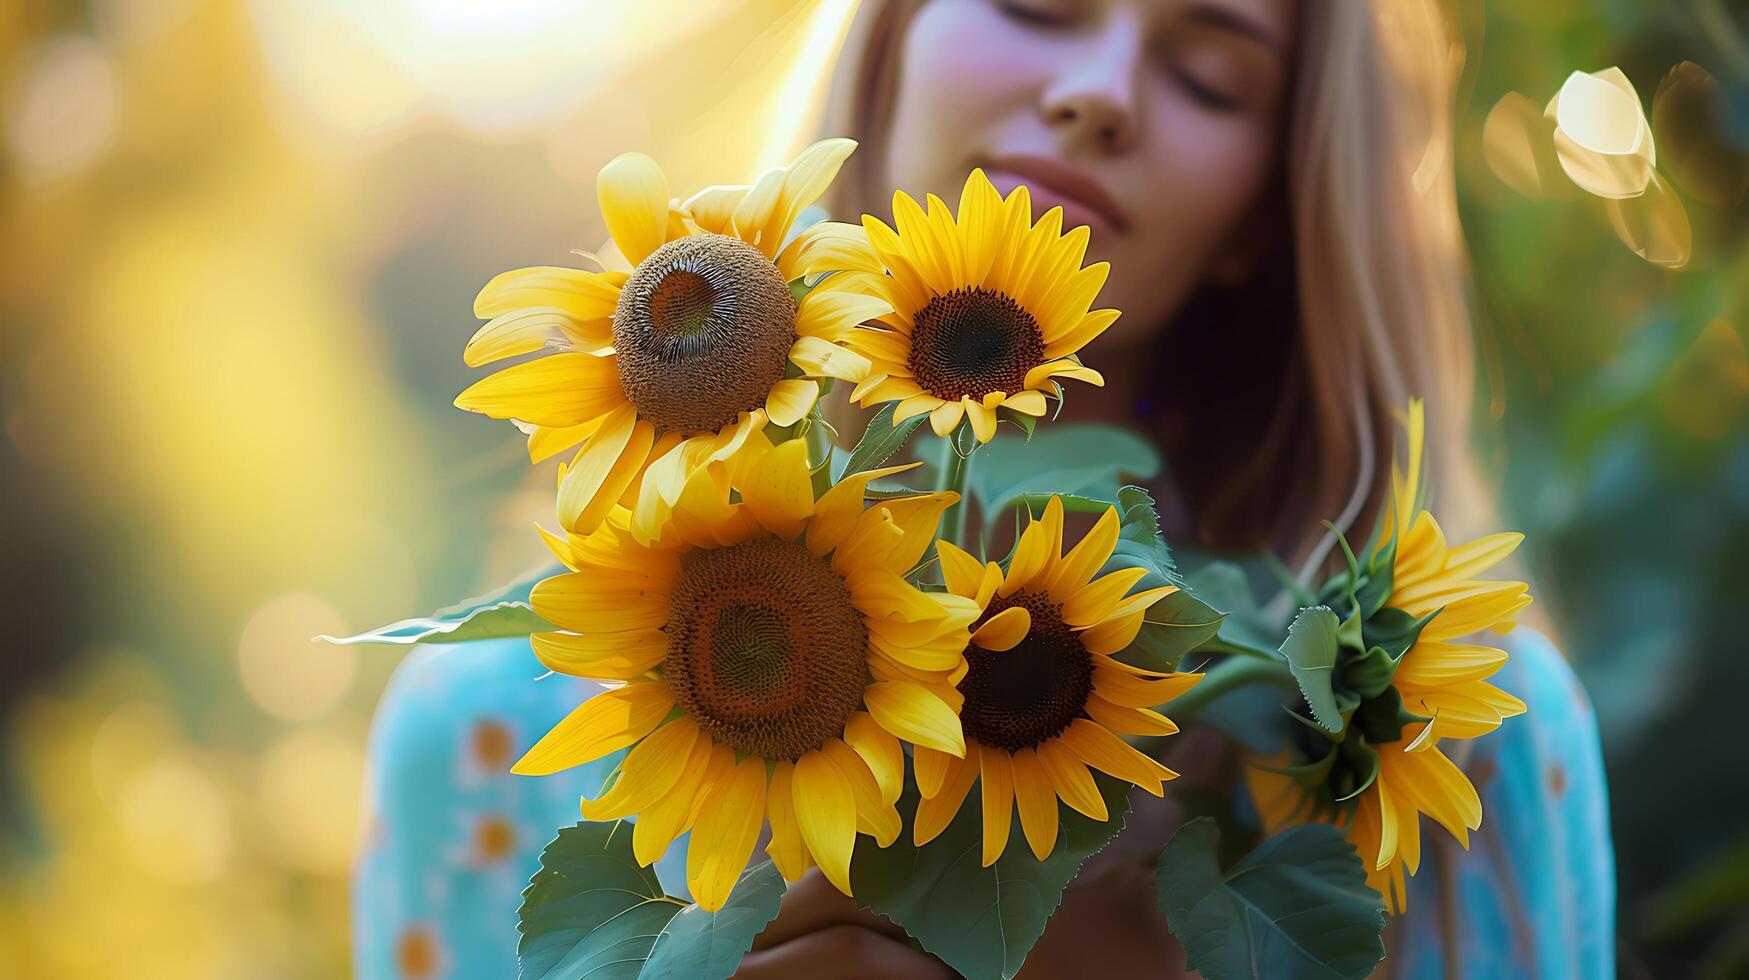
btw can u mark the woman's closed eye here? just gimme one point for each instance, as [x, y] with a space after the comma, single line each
[1221, 71]
[1038, 13]
[1207, 93]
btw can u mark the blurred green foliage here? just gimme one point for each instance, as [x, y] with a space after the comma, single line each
[1621, 394]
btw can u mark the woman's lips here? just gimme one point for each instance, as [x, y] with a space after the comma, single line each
[1053, 183]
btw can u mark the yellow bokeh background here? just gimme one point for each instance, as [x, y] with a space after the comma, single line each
[240, 245]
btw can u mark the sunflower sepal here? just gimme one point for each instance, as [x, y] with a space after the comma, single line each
[1024, 422]
[592, 904]
[1311, 652]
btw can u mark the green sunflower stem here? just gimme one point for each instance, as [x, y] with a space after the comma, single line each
[955, 468]
[1228, 675]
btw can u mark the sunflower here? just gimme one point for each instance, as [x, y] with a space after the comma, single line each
[676, 362]
[1044, 697]
[986, 309]
[1386, 768]
[767, 657]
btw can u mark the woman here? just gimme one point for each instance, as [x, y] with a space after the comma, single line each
[1271, 182]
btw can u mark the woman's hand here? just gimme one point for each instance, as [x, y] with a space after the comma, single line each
[819, 932]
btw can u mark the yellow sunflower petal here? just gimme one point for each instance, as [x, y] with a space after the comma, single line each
[1094, 602]
[1003, 630]
[875, 816]
[1037, 802]
[979, 220]
[935, 812]
[983, 419]
[648, 773]
[1126, 720]
[568, 388]
[788, 852]
[838, 509]
[915, 715]
[945, 417]
[1062, 368]
[607, 722]
[524, 331]
[836, 246]
[897, 259]
[601, 473]
[1071, 780]
[1091, 326]
[823, 359]
[805, 180]
[1037, 550]
[670, 815]
[996, 776]
[547, 441]
[633, 196]
[959, 569]
[1076, 569]
[791, 399]
[825, 807]
[1114, 634]
[834, 314]
[1027, 403]
[776, 487]
[608, 656]
[577, 293]
[916, 518]
[931, 769]
[723, 836]
[756, 210]
[584, 602]
[880, 751]
[1102, 750]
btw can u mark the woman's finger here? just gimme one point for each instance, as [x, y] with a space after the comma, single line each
[846, 951]
[811, 905]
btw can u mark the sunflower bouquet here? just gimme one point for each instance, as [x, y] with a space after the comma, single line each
[816, 647]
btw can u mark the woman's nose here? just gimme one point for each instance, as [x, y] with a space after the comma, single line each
[1093, 97]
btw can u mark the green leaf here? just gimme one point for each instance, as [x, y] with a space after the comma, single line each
[1075, 458]
[593, 911]
[1224, 586]
[489, 617]
[980, 921]
[1297, 906]
[1171, 628]
[881, 440]
[1310, 649]
[1139, 543]
[700, 945]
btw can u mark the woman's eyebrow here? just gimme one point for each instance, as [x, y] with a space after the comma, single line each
[1228, 19]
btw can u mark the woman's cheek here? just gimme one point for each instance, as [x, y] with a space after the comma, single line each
[963, 70]
[1206, 173]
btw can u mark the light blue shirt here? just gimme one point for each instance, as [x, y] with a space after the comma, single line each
[452, 838]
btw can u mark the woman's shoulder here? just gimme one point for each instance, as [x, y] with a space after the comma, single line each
[1536, 892]
[452, 836]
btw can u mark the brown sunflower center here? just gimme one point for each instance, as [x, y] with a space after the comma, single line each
[703, 330]
[973, 341]
[1018, 698]
[765, 650]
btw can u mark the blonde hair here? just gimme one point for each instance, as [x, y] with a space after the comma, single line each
[1374, 279]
